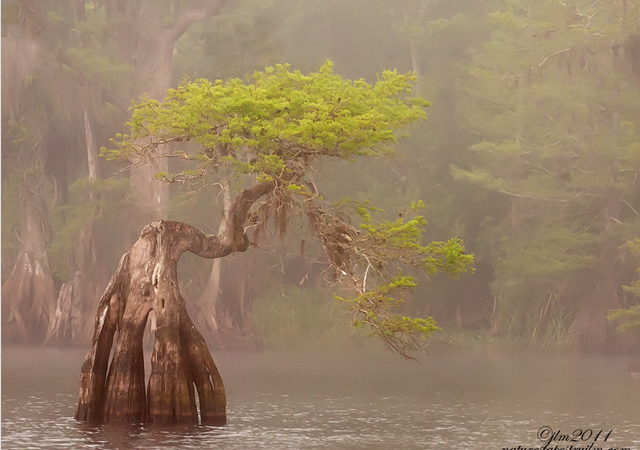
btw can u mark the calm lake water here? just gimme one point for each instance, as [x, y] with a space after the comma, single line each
[358, 400]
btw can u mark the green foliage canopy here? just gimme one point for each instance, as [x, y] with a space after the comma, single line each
[284, 117]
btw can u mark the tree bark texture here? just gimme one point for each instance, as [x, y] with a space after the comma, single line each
[147, 280]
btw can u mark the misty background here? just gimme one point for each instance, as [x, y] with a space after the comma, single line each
[531, 155]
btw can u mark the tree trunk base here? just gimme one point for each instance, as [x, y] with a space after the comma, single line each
[181, 365]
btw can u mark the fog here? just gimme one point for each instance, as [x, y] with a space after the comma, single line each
[527, 162]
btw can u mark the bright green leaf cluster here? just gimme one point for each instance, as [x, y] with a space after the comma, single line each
[373, 310]
[279, 117]
[401, 241]
[374, 252]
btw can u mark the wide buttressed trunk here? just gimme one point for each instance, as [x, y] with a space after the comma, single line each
[181, 365]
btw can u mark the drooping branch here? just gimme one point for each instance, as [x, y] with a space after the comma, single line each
[367, 262]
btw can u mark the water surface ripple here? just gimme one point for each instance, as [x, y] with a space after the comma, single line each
[360, 400]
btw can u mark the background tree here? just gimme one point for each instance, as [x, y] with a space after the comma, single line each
[552, 98]
[29, 133]
[79, 64]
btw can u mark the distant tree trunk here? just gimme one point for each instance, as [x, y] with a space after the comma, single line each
[147, 280]
[152, 57]
[66, 324]
[415, 59]
[233, 309]
[206, 305]
[70, 321]
[223, 311]
[92, 151]
[28, 293]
